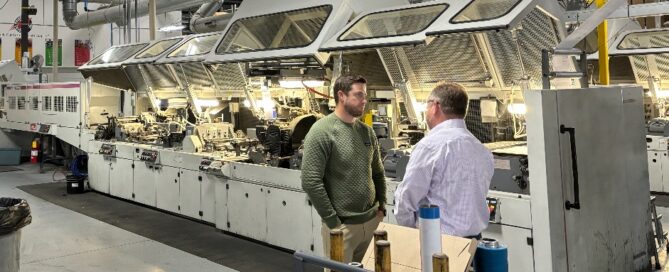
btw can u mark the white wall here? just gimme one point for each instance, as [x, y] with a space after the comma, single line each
[42, 27]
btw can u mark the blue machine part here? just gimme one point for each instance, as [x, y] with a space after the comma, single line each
[491, 256]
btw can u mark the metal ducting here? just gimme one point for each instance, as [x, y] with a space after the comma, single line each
[205, 10]
[115, 14]
[211, 24]
[69, 10]
[107, 2]
[203, 21]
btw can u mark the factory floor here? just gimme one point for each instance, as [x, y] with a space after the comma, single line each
[59, 239]
[665, 225]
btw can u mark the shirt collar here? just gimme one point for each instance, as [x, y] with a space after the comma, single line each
[451, 123]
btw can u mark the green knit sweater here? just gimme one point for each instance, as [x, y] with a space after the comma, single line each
[342, 172]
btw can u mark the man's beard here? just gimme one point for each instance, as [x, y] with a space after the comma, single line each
[353, 111]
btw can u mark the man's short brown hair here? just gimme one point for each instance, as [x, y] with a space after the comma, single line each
[345, 83]
[452, 98]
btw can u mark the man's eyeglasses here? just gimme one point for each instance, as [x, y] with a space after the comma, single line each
[360, 95]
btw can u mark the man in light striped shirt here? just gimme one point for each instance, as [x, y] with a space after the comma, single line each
[449, 168]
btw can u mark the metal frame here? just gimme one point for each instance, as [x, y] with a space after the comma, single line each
[443, 25]
[624, 12]
[334, 44]
[87, 67]
[547, 74]
[164, 59]
[616, 51]
[134, 60]
[300, 259]
[339, 16]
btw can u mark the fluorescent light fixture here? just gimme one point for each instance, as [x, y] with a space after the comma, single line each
[517, 108]
[171, 28]
[297, 84]
[207, 102]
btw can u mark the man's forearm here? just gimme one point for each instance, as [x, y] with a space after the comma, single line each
[319, 198]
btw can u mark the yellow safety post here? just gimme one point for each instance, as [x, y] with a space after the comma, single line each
[603, 47]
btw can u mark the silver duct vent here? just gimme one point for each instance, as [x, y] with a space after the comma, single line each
[203, 21]
[116, 13]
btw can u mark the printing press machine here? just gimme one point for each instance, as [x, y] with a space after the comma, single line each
[208, 132]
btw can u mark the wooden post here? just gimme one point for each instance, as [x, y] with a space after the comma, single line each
[382, 256]
[380, 235]
[337, 245]
[439, 262]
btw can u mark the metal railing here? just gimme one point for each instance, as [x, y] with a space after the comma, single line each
[301, 259]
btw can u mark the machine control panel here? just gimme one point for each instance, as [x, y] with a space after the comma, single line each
[150, 157]
[522, 178]
[108, 150]
[493, 208]
[511, 174]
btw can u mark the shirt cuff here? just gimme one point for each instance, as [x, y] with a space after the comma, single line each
[332, 221]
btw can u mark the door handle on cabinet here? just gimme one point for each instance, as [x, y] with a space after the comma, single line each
[574, 168]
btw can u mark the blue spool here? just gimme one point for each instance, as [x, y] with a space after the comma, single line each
[491, 256]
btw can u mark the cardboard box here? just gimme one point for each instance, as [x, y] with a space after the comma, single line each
[405, 250]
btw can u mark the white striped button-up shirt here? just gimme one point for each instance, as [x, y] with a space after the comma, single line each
[449, 168]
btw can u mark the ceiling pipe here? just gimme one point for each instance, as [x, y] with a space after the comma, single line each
[115, 14]
[69, 10]
[211, 24]
[107, 2]
[203, 21]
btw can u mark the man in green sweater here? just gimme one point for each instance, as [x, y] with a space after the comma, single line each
[342, 172]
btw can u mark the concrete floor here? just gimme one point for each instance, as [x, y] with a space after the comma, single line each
[62, 240]
[59, 239]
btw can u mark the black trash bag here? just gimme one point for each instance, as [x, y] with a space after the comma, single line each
[14, 215]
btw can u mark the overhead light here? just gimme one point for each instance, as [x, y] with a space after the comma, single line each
[266, 103]
[171, 28]
[297, 84]
[517, 108]
[420, 107]
[662, 94]
[207, 102]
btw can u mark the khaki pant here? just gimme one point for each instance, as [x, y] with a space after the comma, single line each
[356, 239]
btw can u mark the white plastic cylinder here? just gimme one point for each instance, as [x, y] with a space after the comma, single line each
[430, 235]
[25, 60]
